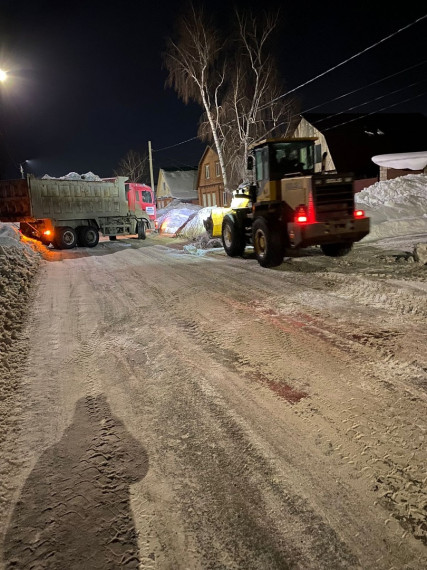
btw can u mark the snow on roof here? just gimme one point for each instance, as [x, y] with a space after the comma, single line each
[182, 183]
[402, 160]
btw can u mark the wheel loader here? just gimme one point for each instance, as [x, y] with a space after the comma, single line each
[287, 205]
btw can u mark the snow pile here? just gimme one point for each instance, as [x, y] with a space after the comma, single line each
[184, 220]
[195, 227]
[396, 207]
[18, 266]
[10, 236]
[176, 215]
[75, 176]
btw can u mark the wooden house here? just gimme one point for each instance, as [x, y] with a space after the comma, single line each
[176, 184]
[210, 184]
[347, 142]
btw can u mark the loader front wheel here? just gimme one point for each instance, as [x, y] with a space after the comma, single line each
[233, 238]
[267, 242]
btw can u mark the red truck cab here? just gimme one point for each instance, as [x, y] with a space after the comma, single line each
[141, 197]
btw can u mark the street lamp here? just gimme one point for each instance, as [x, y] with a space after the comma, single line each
[21, 168]
[3, 75]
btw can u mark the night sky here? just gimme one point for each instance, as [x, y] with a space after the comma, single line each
[86, 82]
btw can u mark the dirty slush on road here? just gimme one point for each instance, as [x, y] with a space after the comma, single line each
[172, 410]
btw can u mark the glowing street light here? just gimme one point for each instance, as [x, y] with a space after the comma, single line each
[3, 75]
[21, 168]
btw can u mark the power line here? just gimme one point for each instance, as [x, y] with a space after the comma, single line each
[346, 60]
[350, 109]
[174, 145]
[374, 112]
[364, 87]
[370, 101]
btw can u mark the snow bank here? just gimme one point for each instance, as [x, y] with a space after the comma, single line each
[18, 266]
[396, 207]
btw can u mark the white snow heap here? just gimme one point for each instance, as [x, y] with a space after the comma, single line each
[396, 207]
[11, 237]
[409, 190]
[176, 215]
[75, 176]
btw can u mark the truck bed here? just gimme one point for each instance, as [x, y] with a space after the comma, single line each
[33, 198]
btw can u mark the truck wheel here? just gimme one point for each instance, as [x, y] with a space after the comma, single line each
[267, 241]
[88, 236]
[140, 229]
[336, 249]
[233, 239]
[65, 238]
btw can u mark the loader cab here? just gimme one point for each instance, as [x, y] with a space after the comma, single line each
[275, 159]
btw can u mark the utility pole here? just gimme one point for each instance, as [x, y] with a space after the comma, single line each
[150, 158]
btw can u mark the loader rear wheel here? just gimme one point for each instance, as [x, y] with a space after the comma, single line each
[336, 249]
[88, 236]
[233, 239]
[65, 238]
[267, 242]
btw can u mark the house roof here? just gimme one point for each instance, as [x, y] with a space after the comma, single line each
[182, 183]
[353, 139]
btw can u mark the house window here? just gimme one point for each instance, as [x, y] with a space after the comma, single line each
[217, 169]
[214, 199]
[207, 171]
[204, 200]
[209, 200]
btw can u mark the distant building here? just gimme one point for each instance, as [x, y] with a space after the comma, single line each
[210, 184]
[176, 184]
[351, 140]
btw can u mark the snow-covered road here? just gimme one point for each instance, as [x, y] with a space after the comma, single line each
[186, 411]
[164, 406]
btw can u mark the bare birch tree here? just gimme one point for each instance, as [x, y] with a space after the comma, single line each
[135, 166]
[236, 82]
[196, 66]
[251, 105]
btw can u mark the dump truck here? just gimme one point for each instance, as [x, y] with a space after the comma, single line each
[287, 205]
[74, 212]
